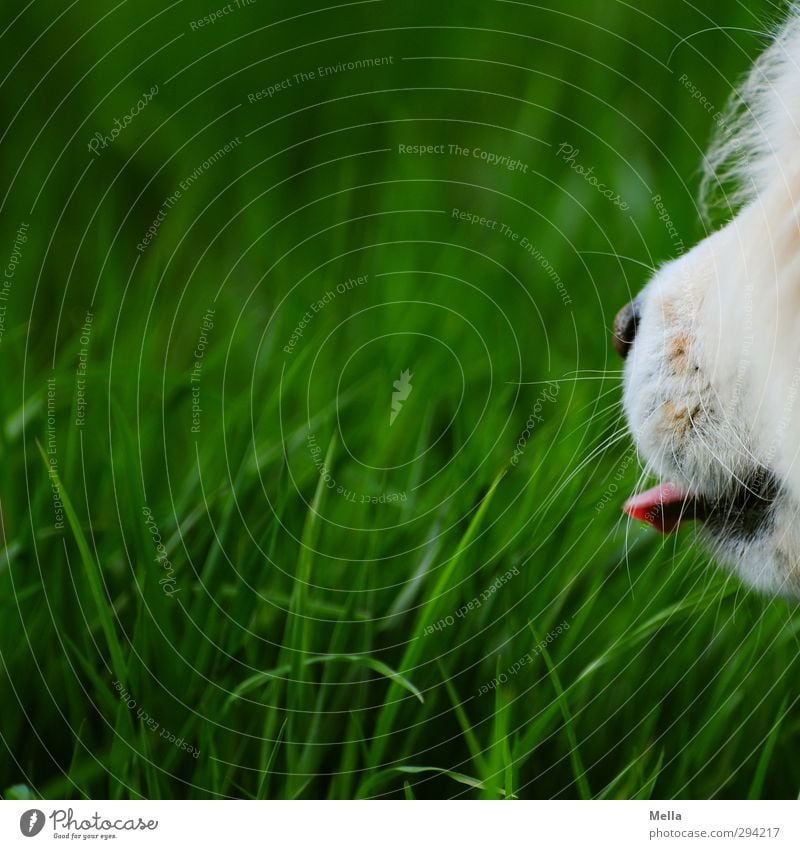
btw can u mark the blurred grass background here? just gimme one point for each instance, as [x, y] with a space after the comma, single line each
[301, 634]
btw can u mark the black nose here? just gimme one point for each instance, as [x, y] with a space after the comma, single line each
[625, 325]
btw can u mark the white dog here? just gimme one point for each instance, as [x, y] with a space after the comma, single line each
[712, 346]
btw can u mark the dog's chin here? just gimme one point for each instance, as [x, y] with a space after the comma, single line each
[751, 532]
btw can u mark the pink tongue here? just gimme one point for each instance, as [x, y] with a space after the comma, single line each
[664, 507]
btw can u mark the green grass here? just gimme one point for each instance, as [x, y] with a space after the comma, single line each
[292, 640]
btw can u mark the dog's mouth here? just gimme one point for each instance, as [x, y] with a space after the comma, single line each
[741, 512]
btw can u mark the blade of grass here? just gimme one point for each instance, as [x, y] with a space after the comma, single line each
[646, 790]
[574, 753]
[428, 613]
[265, 677]
[757, 785]
[268, 755]
[385, 775]
[92, 572]
[296, 640]
[464, 723]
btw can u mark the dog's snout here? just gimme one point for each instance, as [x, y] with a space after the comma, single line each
[625, 325]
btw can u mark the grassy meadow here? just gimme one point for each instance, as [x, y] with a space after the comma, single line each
[311, 454]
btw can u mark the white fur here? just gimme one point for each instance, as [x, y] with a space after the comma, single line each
[727, 407]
